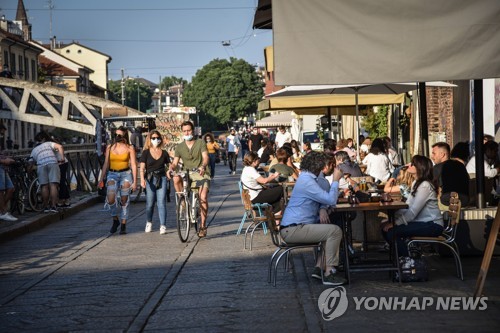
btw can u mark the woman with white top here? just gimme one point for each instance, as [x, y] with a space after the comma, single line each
[422, 217]
[253, 181]
[377, 163]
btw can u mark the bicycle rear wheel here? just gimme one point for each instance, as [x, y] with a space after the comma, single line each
[182, 217]
[35, 196]
[17, 202]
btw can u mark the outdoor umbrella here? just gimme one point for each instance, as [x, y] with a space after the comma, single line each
[365, 90]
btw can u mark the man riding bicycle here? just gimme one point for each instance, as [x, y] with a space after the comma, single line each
[194, 155]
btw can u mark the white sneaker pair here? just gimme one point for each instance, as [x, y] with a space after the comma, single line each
[7, 217]
[149, 228]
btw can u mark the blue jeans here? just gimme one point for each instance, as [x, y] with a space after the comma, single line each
[160, 197]
[119, 179]
[420, 229]
[212, 164]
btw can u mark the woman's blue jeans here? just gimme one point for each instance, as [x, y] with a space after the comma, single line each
[420, 229]
[212, 164]
[158, 196]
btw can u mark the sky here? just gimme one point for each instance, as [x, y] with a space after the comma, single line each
[151, 38]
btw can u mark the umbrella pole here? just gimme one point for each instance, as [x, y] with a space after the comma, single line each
[357, 122]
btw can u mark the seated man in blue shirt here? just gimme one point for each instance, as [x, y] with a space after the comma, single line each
[301, 222]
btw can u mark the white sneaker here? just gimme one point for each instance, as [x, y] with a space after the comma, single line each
[149, 227]
[163, 230]
[7, 217]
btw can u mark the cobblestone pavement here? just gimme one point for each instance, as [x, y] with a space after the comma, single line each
[71, 275]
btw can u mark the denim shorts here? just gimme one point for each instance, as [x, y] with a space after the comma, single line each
[5, 181]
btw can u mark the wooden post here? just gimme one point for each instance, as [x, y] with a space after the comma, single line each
[490, 246]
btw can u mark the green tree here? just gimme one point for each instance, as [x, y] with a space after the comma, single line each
[132, 90]
[170, 81]
[376, 123]
[224, 91]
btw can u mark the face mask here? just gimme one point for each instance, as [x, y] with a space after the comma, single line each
[208, 141]
[155, 142]
[254, 132]
[188, 137]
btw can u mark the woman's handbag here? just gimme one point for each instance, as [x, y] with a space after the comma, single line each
[412, 270]
[102, 191]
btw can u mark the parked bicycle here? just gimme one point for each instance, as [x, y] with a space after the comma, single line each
[22, 177]
[187, 205]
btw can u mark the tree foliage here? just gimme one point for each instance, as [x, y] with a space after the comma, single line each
[132, 90]
[223, 91]
[170, 81]
[376, 123]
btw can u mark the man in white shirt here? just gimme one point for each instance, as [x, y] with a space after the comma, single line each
[233, 147]
[282, 136]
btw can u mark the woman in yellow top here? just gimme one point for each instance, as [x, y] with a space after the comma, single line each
[212, 147]
[121, 167]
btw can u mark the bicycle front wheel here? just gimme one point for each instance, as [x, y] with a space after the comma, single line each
[35, 196]
[182, 218]
[196, 212]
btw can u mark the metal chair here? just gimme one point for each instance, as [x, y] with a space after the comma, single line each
[448, 237]
[284, 249]
[257, 220]
[249, 211]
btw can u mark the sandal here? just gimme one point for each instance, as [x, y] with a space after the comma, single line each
[203, 232]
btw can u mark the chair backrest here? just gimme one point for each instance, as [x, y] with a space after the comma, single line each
[454, 209]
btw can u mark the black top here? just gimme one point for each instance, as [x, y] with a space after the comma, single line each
[452, 176]
[265, 156]
[256, 140]
[351, 168]
[155, 165]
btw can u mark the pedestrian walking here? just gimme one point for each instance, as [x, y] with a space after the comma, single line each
[154, 164]
[49, 174]
[213, 149]
[233, 147]
[120, 168]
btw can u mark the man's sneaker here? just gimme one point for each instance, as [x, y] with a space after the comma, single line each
[46, 210]
[163, 230]
[333, 280]
[149, 227]
[234, 172]
[316, 273]
[53, 210]
[7, 217]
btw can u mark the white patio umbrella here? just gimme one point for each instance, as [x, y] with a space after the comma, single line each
[364, 89]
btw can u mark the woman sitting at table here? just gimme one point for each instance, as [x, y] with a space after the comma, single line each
[284, 170]
[422, 217]
[253, 181]
[348, 168]
[400, 182]
[377, 162]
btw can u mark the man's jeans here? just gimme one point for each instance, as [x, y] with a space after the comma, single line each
[231, 156]
[158, 196]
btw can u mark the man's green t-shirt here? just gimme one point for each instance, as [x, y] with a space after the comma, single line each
[192, 158]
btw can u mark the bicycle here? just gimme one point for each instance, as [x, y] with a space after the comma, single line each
[187, 206]
[19, 176]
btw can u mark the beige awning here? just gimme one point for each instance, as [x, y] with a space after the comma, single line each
[323, 101]
[366, 41]
[275, 120]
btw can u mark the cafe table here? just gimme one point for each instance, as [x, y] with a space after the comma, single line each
[392, 264]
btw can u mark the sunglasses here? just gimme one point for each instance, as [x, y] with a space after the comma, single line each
[156, 138]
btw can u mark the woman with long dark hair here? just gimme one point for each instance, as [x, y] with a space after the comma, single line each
[377, 162]
[422, 217]
[212, 147]
[154, 163]
[120, 168]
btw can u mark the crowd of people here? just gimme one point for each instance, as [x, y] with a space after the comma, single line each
[320, 178]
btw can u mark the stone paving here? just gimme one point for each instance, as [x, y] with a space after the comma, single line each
[71, 275]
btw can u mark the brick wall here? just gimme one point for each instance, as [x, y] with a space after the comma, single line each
[440, 111]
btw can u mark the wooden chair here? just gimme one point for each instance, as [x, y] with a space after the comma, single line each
[260, 207]
[284, 249]
[448, 237]
[257, 220]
